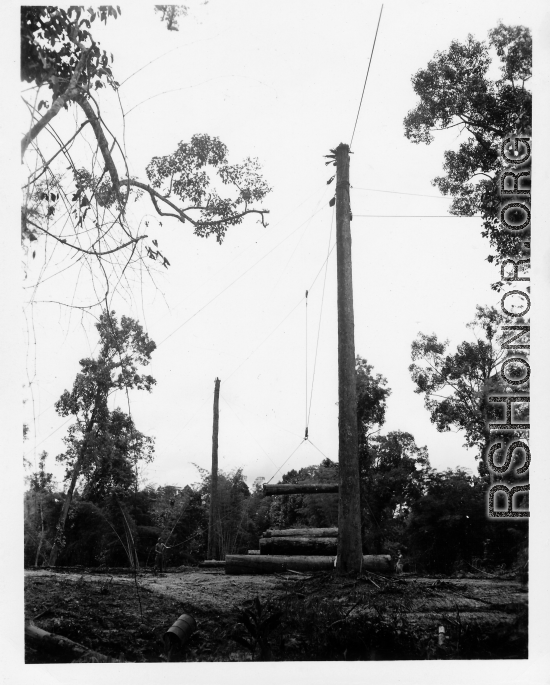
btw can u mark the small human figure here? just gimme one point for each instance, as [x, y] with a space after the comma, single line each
[399, 563]
[160, 548]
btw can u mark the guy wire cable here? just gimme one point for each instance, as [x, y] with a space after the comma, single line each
[367, 76]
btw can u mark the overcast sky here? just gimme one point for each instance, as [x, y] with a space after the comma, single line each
[281, 82]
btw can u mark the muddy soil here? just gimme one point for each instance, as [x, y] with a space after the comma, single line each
[288, 617]
[110, 615]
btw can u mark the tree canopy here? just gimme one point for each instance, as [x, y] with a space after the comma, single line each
[90, 190]
[456, 386]
[457, 89]
[393, 472]
[372, 395]
[170, 15]
[104, 445]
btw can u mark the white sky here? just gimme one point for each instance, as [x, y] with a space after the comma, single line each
[282, 83]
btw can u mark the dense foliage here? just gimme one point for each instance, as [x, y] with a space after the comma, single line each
[456, 89]
[103, 447]
[82, 206]
[406, 506]
[456, 386]
[53, 41]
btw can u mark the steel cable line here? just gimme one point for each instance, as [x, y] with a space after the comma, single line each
[236, 279]
[298, 242]
[306, 433]
[201, 405]
[325, 262]
[322, 265]
[48, 436]
[284, 319]
[399, 192]
[193, 85]
[418, 216]
[318, 450]
[264, 418]
[320, 319]
[253, 352]
[285, 461]
[265, 339]
[367, 76]
[180, 47]
[201, 285]
[292, 453]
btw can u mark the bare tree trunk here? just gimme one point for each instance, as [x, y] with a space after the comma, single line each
[60, 529]
[60, 102]
[350, 556]
[487, 437]
[41, 537]
[213, 528]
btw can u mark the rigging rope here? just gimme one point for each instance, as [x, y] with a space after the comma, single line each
[367, 76]
[285, 461]
[318, 450]
[329, 250]
[306, 433]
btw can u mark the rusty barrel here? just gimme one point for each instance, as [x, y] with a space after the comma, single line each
[182, 629]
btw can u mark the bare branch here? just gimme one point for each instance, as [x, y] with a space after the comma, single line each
[45, 166]
[80, 98]
[181, 215]
[80, 249]
[59, 102]
[261, 212]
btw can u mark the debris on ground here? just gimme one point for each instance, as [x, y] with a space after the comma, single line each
[317, 616]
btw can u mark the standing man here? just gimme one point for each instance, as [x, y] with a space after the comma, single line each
[160, 548]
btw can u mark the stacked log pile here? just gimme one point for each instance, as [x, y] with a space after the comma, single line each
[244, 564]
[315, 546]
[302, 532]
[302, 541]
[301, 489]
[298, 549]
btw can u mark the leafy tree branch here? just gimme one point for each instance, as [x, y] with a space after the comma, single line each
[455, 90]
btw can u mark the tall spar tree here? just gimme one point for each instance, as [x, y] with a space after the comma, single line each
[124, 347]
[71, 75]
[456, 386]
[456, 91]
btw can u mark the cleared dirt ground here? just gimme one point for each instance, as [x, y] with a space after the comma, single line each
[319, 616]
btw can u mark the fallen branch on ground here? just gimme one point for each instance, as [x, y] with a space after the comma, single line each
[50, 640]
